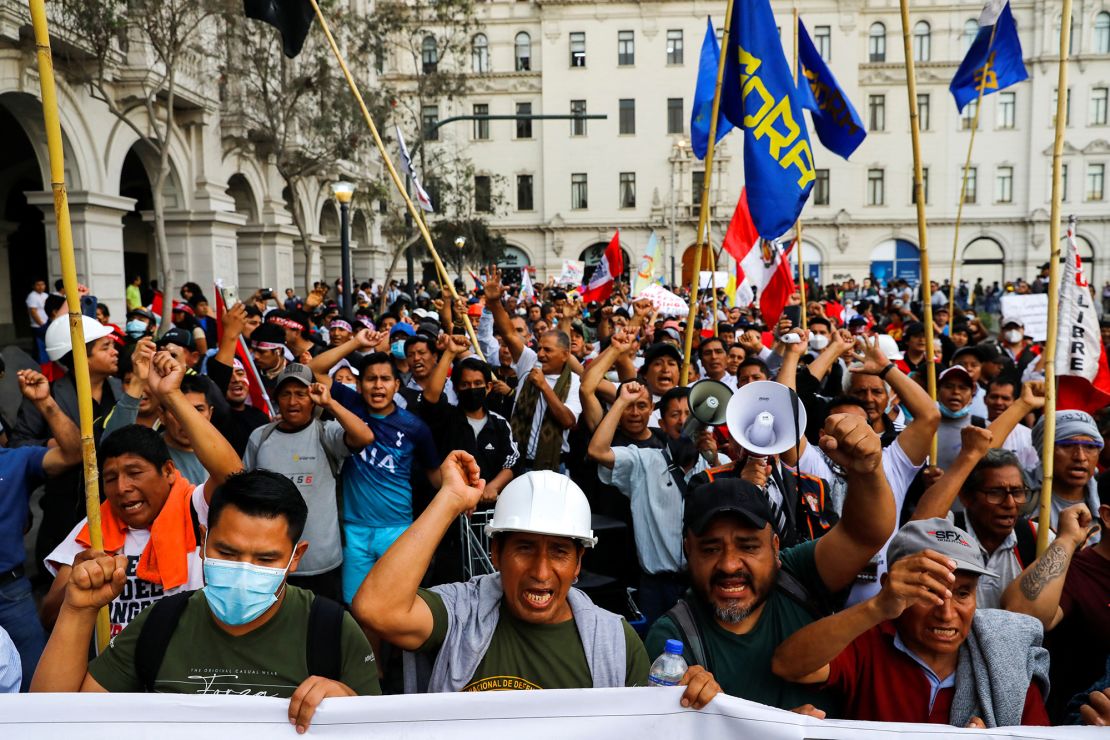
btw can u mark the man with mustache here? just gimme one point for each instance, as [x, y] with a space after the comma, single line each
[746, 596]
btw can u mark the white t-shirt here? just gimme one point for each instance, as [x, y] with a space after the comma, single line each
[477, 424]
[528, 359]
[137, 594]
[37, 303]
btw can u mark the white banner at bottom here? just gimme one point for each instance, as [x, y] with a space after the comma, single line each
[515, 715]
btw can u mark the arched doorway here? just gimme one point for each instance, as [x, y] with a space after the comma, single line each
[591, 255]
[140, 254]
[811, 257]
[513, 261]
[24, 238]
[329, 220]
[688, 258]
[983, 258]
[896, 259]
[1086, 254]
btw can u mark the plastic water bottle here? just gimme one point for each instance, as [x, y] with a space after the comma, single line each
[669, 668]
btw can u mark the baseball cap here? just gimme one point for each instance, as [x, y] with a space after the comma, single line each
[298, 372]
[889, 347]
[956, 372]
[1014, 320]
[142, 313]
[725, 496]
[661, 349]
[941, 536]
[178, 336]
[402, 328]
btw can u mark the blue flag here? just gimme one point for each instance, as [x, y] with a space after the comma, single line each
[834, 119]
[759, 96]
[702, 111]
[993, 64]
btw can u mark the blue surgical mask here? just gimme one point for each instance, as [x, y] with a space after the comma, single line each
[398, 349]
[948, 413]
[135, 328]
[237, 592]
[352, 386]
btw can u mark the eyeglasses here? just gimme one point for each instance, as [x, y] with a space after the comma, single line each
[1088, 449]
[998, 495]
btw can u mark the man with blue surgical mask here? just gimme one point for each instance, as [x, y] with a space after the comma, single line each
[955, 389]
[247, 632]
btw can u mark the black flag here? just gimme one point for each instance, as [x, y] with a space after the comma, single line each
[292, 18]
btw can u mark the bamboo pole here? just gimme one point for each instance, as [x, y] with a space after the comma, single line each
[798, 223]
[413, 210]
[963, 180]
[1047, 458]
[919, 198]
[73, 300]
[703, 215]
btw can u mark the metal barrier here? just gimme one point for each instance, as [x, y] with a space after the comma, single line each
[475, 544]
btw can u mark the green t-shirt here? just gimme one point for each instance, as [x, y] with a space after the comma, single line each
[201, 658]
[535, 656]
[742, 663]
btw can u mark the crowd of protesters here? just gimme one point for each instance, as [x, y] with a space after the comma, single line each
[319, 550]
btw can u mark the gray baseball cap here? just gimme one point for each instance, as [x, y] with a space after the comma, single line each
[298, 372]
[941, 536]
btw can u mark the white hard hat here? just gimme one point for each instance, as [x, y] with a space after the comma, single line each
[543, 502]
[57, 339]
[889, 347]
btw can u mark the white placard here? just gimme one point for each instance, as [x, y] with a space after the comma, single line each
[1031, 310]
[574, 273]
[705, 280]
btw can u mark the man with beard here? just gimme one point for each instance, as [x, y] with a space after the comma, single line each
[746, 597]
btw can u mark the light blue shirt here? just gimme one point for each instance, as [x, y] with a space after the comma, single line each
[936, 683]
[11, 671]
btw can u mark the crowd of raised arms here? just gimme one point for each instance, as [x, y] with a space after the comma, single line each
[539, 509]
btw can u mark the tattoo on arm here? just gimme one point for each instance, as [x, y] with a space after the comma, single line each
[1052, 565]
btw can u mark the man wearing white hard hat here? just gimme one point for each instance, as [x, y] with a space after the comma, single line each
[63, 504]
[523, 627]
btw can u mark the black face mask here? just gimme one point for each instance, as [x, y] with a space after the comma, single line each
[472, 399]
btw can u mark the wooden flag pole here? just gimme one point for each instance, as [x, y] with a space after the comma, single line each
[703, 215]
[73, 299]
[413, 210]
[798, 223]
[1048, 456]
[919, 198]
[963, 181]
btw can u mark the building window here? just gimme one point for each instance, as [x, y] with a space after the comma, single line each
[876, 43]
[481, 128]
[429, 117]
[523, 51]
[923, 111]
[697, 186]
[479, 54]
[875, 187]
[1096, 179]
[1098, 106]
[578, 49]
[578, 125]
[821, 188]
[972, 188]
[876, 112]
[674, 46]
[1067, 106]
[626, 48]
[1004, 185]
[967, 116]
[971, 30]
[578, 194]
[1063, 182]
[628, 190]
[822, 39]
[524, 201]
[924, 186]
[922, 42]
[429, 55]
[1055, 40]
[1102, 33]
[674, 116]
[627, 107]
[524, 125]
[483, 194]
[1007, 108]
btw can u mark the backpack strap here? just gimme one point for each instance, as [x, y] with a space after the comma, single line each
[154, 637]
[323, 651]
[1026, 542]
[796, 591]
[683, 617]
[959, 519]
[333, 463]
[676, 473]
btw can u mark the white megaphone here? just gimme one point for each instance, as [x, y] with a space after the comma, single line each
[708, 401]
[764, 419]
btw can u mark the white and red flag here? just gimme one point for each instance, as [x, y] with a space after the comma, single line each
[758, 261]
[606, 272]
[1084, 377]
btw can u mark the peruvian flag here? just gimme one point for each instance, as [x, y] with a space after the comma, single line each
[758, 261]
[1084, 378]
[258, 396]
[606, 272]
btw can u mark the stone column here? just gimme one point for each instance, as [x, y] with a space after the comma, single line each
[266, 258]
[202, 246]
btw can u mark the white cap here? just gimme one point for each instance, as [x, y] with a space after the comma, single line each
[1007, 320]
[58, 342]
[889, 347]
[544, 502]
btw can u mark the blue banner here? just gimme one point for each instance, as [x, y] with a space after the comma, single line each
[702, 111]
[835, 120]
[759, 96]
[993, 64]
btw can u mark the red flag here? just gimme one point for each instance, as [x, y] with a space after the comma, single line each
[258, 396]
[606, 272]
[758, 261]
[1084, 381]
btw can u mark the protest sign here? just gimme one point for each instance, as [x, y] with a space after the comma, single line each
[574, 273]
[664, 301]
[1031, 310]
[706, 280]
[582, 714]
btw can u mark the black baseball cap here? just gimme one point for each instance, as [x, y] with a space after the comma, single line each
[178, 336]
[661, 349]
[725, 496]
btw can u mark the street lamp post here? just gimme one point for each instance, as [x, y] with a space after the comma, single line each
[344, 191]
